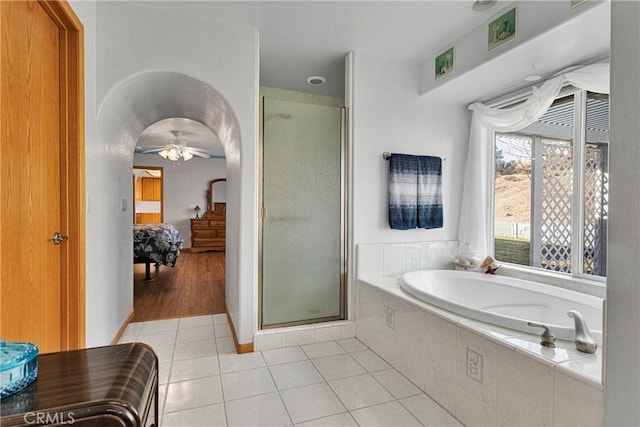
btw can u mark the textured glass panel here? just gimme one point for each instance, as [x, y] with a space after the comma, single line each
[301, 233]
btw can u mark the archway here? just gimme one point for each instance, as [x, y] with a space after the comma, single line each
[144, 99]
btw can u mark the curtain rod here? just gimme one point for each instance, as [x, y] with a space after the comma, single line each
[522, 93]
[387, 155]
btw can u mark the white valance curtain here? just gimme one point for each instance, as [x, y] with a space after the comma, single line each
[477, 209]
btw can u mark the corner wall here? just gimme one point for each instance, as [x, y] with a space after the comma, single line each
[389, 115]
[622, 365]
[123, 41]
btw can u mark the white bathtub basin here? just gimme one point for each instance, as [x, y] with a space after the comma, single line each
[505, 301]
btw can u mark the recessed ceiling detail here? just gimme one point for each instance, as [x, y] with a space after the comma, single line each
[316, 80]
[482, 5]
[195, 136]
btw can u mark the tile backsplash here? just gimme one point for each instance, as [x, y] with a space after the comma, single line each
[394, 259]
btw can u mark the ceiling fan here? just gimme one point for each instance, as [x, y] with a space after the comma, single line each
[177, 149]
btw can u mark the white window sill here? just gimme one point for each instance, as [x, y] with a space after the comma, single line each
[596, 286]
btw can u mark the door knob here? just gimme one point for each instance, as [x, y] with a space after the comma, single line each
[59, 238]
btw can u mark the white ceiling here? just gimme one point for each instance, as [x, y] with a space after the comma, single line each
[299, 39]
[303, 38]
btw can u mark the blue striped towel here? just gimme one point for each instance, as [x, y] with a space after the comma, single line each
[415, 192]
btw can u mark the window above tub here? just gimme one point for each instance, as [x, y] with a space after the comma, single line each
[550, 188]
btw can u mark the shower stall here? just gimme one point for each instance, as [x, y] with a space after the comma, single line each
[303, 213]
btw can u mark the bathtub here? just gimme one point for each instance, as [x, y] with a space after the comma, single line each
[505, 301]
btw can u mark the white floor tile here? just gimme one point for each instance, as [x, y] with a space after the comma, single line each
[125, 339]
[238, 385]
[157, 338]
[159, 325]
[322, 349]
[284, 355]
[198, 333]
[387, 414]
[163, 372]
[210, 416]
[240, 362]
[428, 412]
[162, 394]
[396, 384]
[133, 328]
[196, 321]
[371, 361]
[311, 402]
[338, 366]
[359, 392]
[225, 345]
[189, 350]
[352, 344]
[296, 374]
[199, 367]
[203, 382]
[222, 330]
[340, 420]
[192, 394]
[164, 352]
[220, 318]
[263, 410]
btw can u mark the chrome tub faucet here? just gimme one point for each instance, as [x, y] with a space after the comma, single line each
[583, 339]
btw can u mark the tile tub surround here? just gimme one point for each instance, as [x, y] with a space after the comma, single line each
[479, 373]
[393, 259]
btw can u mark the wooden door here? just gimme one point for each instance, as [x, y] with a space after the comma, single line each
[41, 282]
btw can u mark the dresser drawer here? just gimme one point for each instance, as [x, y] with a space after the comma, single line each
[205, 234]
[200, 223]
[209, 242]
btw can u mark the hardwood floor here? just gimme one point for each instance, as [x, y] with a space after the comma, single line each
[194, 287]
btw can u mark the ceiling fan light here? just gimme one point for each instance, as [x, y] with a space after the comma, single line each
[186, 155]
[173, 155]
[164, 153]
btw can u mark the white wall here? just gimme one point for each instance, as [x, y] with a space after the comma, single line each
[388, 115]
[184, 184]
[622, 359]
[123, 43]
[108, 295]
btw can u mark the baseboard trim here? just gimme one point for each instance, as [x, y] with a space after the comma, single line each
[240, 348]
[122, 328]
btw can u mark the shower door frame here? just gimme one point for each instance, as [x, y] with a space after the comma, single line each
[262, 214]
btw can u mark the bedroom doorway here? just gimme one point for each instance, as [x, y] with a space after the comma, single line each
[148, 185]
[180, 193]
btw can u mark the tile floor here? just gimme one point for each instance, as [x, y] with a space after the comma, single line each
[335, 383]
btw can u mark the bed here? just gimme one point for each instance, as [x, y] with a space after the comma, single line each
[157, 243]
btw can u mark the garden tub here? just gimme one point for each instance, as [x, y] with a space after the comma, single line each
[505, 301]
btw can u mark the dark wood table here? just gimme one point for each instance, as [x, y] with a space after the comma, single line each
[105, 386]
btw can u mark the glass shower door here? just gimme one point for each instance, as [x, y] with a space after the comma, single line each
[302, 254]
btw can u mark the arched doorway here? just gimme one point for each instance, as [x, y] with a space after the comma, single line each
[144, 99]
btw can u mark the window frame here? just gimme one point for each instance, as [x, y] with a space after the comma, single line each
[577, 205]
